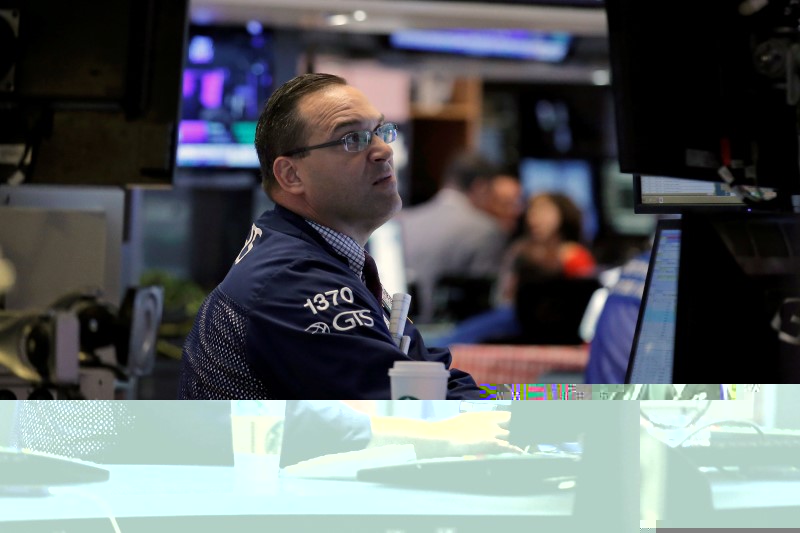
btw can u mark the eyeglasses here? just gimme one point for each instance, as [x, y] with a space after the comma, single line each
[355, 141]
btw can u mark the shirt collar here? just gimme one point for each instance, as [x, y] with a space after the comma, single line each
[351, 250]
[343, 245]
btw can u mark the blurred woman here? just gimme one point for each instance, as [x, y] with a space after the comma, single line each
[550, 248]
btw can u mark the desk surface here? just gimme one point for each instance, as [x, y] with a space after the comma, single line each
[254, 488]
[496, 363]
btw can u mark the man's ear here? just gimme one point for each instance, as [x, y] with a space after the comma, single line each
[286, 175]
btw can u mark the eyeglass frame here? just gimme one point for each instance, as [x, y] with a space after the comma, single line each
[343, 142]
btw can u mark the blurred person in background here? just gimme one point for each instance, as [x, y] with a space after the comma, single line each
[550, 248]
[504, 202]
[552, 243]
[450, 235]
[610, 348]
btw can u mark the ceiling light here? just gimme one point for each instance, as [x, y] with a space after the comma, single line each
[601, 77]
[359, 16]
[338, 20]
[254, 27]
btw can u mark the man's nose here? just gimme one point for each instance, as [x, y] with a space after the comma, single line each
[380, 149]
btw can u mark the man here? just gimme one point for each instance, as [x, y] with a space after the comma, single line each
[450, 235]
[505, 203]
[294, 318]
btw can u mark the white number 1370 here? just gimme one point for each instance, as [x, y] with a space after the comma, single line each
[327, 299]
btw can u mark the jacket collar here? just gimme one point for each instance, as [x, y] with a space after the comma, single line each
[290, 223]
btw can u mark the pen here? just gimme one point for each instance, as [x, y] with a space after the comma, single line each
[405, 342]
[397, 318]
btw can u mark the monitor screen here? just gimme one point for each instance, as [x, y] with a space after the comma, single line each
[227, 79]
[572, 177]
[659, 194]
[651, 358]
[501, 43]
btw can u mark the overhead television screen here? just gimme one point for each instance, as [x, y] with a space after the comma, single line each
[499, 43]
[227, 79]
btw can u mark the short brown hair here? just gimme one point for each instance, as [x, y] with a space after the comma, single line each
[280, 127]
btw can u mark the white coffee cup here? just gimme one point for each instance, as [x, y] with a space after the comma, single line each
[419, 380]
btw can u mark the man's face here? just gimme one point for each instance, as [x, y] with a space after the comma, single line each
[352, 192]
[506, 201]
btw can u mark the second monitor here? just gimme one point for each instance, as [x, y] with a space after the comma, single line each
[720, 302]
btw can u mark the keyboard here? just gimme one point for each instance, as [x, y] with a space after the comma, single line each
[745, 447]
[33, 469]
[500, 474]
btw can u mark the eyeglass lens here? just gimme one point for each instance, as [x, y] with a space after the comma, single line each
[358, 141]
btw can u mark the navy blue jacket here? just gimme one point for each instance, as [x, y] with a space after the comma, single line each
[292, 321]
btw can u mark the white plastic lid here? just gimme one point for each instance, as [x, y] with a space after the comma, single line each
[429, 368]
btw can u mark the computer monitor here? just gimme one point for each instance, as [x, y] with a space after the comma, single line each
[228, 77]
[572, 177]
[652, 354]
[730, 105]
[737, 311]
[730, 116]
[660, 194]
[720, 302]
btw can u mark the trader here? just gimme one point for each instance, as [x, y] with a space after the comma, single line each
[294, 317]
